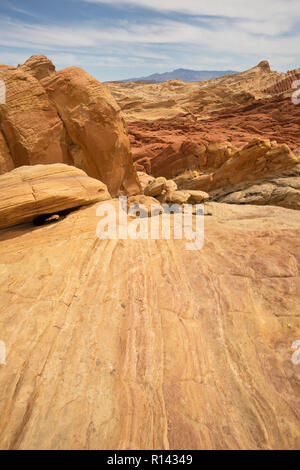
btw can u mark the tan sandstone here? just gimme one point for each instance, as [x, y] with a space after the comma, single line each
[100, 144]
[33, 131]
[29, 191]
[141, 344]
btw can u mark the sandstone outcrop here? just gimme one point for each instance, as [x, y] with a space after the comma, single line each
[64, 117]
[30, 191]
[187, 102]
[33, 131]
[156, 187]
[285, 84]
[197, 197]
[100, 144]
[144, 179]
[274, 118]
[236, 108]
[6, 161]
[281, 190]
[176, 158]
[39, 66]
[258, 159]
[143, 206]
[177, 197]
[121, 344]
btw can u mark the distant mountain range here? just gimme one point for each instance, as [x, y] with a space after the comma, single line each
[182, 74]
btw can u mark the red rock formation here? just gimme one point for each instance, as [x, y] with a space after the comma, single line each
[64, 117]
[255, 160]
[275, 118]
[285, 84]
[176, 158]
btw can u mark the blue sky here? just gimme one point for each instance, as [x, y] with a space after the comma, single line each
[115, 39]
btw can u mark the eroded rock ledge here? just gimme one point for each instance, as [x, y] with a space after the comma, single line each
[29, 191]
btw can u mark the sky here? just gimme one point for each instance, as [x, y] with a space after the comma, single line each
[118, 39]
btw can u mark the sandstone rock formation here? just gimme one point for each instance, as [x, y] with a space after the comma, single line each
[156, 187]
[6, 161]
[143, 206]
[64, 117]
[281, 190]
[258, 159]
[176, 158]
[177, 197]
[144, 179]
[126, 344]
[236, 108]
[39, 66]
[197, 197]
[121, 344]
[30, 191]
[285, 84]
[188, 101]
[92, 119]
[275, 118]
[29, 122]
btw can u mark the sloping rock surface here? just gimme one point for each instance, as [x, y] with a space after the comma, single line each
[140, 344]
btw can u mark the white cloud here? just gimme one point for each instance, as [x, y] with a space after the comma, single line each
[254, 9]
[223, 39]
[207, 43]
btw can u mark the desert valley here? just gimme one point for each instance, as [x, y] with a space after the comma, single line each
[142, 344]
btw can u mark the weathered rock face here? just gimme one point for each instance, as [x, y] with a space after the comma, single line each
[176, 158]
[144, 179]
[6, 161]
[64, 117]
[281, 190]
[143, 206]
[189, 101]
[178, 197]
[215, 110]
[97, 131]
[197, 197]
[30, 124]
[39, 66]
[30, 191]
[145, 345]
[258, 159]
[156, 187]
